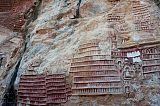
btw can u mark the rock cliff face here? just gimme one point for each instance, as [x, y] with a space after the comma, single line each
[12, 37]
[123, 30]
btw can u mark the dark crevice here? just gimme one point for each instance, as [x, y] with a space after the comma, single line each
[10, 95]
[78, 10]
[1, 59]
[36, 10]
[10, 98]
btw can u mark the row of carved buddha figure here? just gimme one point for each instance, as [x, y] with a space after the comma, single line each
[42, 89]
[143, 20]
[116, 17]
[123, 64]
[93, 73]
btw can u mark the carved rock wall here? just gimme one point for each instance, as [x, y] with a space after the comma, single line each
[43, 89]
[125, 28]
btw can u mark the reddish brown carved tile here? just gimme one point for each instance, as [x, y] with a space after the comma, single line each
[93, 73]
[43, 89]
